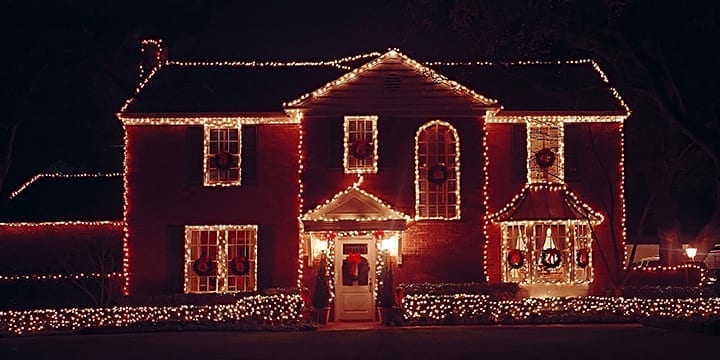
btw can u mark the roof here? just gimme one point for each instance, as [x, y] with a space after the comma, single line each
[546, 202]
[59, 197]
[246, 87]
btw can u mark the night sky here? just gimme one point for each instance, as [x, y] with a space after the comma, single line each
[69, 65]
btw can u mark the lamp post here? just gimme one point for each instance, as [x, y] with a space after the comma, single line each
[690, 252]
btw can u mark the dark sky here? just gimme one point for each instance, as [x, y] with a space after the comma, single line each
[69, 65]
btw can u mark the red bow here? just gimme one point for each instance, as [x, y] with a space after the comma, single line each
[354, 259]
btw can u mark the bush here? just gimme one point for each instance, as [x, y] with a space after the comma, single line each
[503, 291]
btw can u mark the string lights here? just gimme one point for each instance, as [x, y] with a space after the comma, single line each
[275, 310]
[60, 176]
[51, 277]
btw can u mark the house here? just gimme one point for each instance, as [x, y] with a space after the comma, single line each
[60, 245]
[240, 176]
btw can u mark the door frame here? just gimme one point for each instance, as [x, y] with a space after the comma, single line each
[337, 267]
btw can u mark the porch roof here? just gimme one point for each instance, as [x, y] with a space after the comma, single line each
[546, 202]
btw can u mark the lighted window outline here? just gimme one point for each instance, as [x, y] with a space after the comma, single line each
[542, 135]
[224, 142]
[351, 164]
[227, 247]
[568, 237]
[442, 210]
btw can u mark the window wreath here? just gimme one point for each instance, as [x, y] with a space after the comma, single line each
[360, 149]
[224, 160]
[516, 259]
[550, 258]
[437, 174]
[203, 266]
[582, 258]
[239, 265]
[545, 158]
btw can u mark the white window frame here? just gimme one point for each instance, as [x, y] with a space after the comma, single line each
[443, 208]
[545, 135]
[230, 241]
[213, 176]
[360, 126]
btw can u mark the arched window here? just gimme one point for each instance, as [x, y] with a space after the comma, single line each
[437, 172]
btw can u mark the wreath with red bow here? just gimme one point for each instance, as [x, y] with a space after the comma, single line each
[582, 258]
[361, 149]
[437, 174]
[545, 158]
[224, 160]
[239, 265]
[351, 272]
[516, 259]
[203, 266]
[550, 258]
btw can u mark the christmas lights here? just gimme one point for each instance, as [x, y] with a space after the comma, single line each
[64, 223]
[275, 310]
[319, 214]
[441, 136]
[392, 53]
[50, 277]
[213, 121]
[58, 175]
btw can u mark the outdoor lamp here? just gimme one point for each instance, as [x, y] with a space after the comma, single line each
[691, 252]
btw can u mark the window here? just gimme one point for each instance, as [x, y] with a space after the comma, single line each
[360, 140]
[437, 172]
[220, 258]
[222, 156]
[545, 159]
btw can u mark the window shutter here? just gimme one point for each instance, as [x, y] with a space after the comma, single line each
[335, 146]
[194, 155]
[248, 151]
[519, 153]
[572, 152]
[175, 259]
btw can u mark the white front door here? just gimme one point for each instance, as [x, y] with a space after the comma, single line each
[355, 278]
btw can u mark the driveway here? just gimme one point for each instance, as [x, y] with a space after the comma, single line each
[577, 342]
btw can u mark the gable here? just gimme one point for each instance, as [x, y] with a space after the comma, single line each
[356, 204]
[394, 83]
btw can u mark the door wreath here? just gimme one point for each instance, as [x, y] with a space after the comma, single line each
[223, 160]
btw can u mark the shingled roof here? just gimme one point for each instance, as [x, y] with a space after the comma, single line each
[545, 202]
[55, 198]
[568, 86]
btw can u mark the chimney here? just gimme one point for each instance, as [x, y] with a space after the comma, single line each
[153, 54]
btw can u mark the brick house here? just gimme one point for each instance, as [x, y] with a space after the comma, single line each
[241, 175]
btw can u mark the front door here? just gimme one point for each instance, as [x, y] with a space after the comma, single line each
[354, 278]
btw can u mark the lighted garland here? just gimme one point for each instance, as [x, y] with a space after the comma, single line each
[275, 309]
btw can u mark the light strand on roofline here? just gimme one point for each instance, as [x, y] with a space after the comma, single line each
[58, 175]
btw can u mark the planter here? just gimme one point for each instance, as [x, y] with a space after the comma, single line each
[322, 315]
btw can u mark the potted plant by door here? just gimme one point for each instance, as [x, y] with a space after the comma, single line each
[321, 293]
[388, 310]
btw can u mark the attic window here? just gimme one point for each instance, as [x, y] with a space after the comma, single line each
[392, 82]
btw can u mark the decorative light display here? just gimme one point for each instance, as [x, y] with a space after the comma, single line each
[545, 153]
[659, 269]
[126, 231]
[275, 309]
[479, 307]
[392, 53]
[64, 223]
[312, 215]
[224, 144]
[61, 176]
[423, 177]
[293, 115]
[51, 277]
[570, 198]
[357, 129]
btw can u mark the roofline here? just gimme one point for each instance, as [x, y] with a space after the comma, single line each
[118, 223]
[251, 118]
[304, 99]
[59, 175]
[504, 116]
